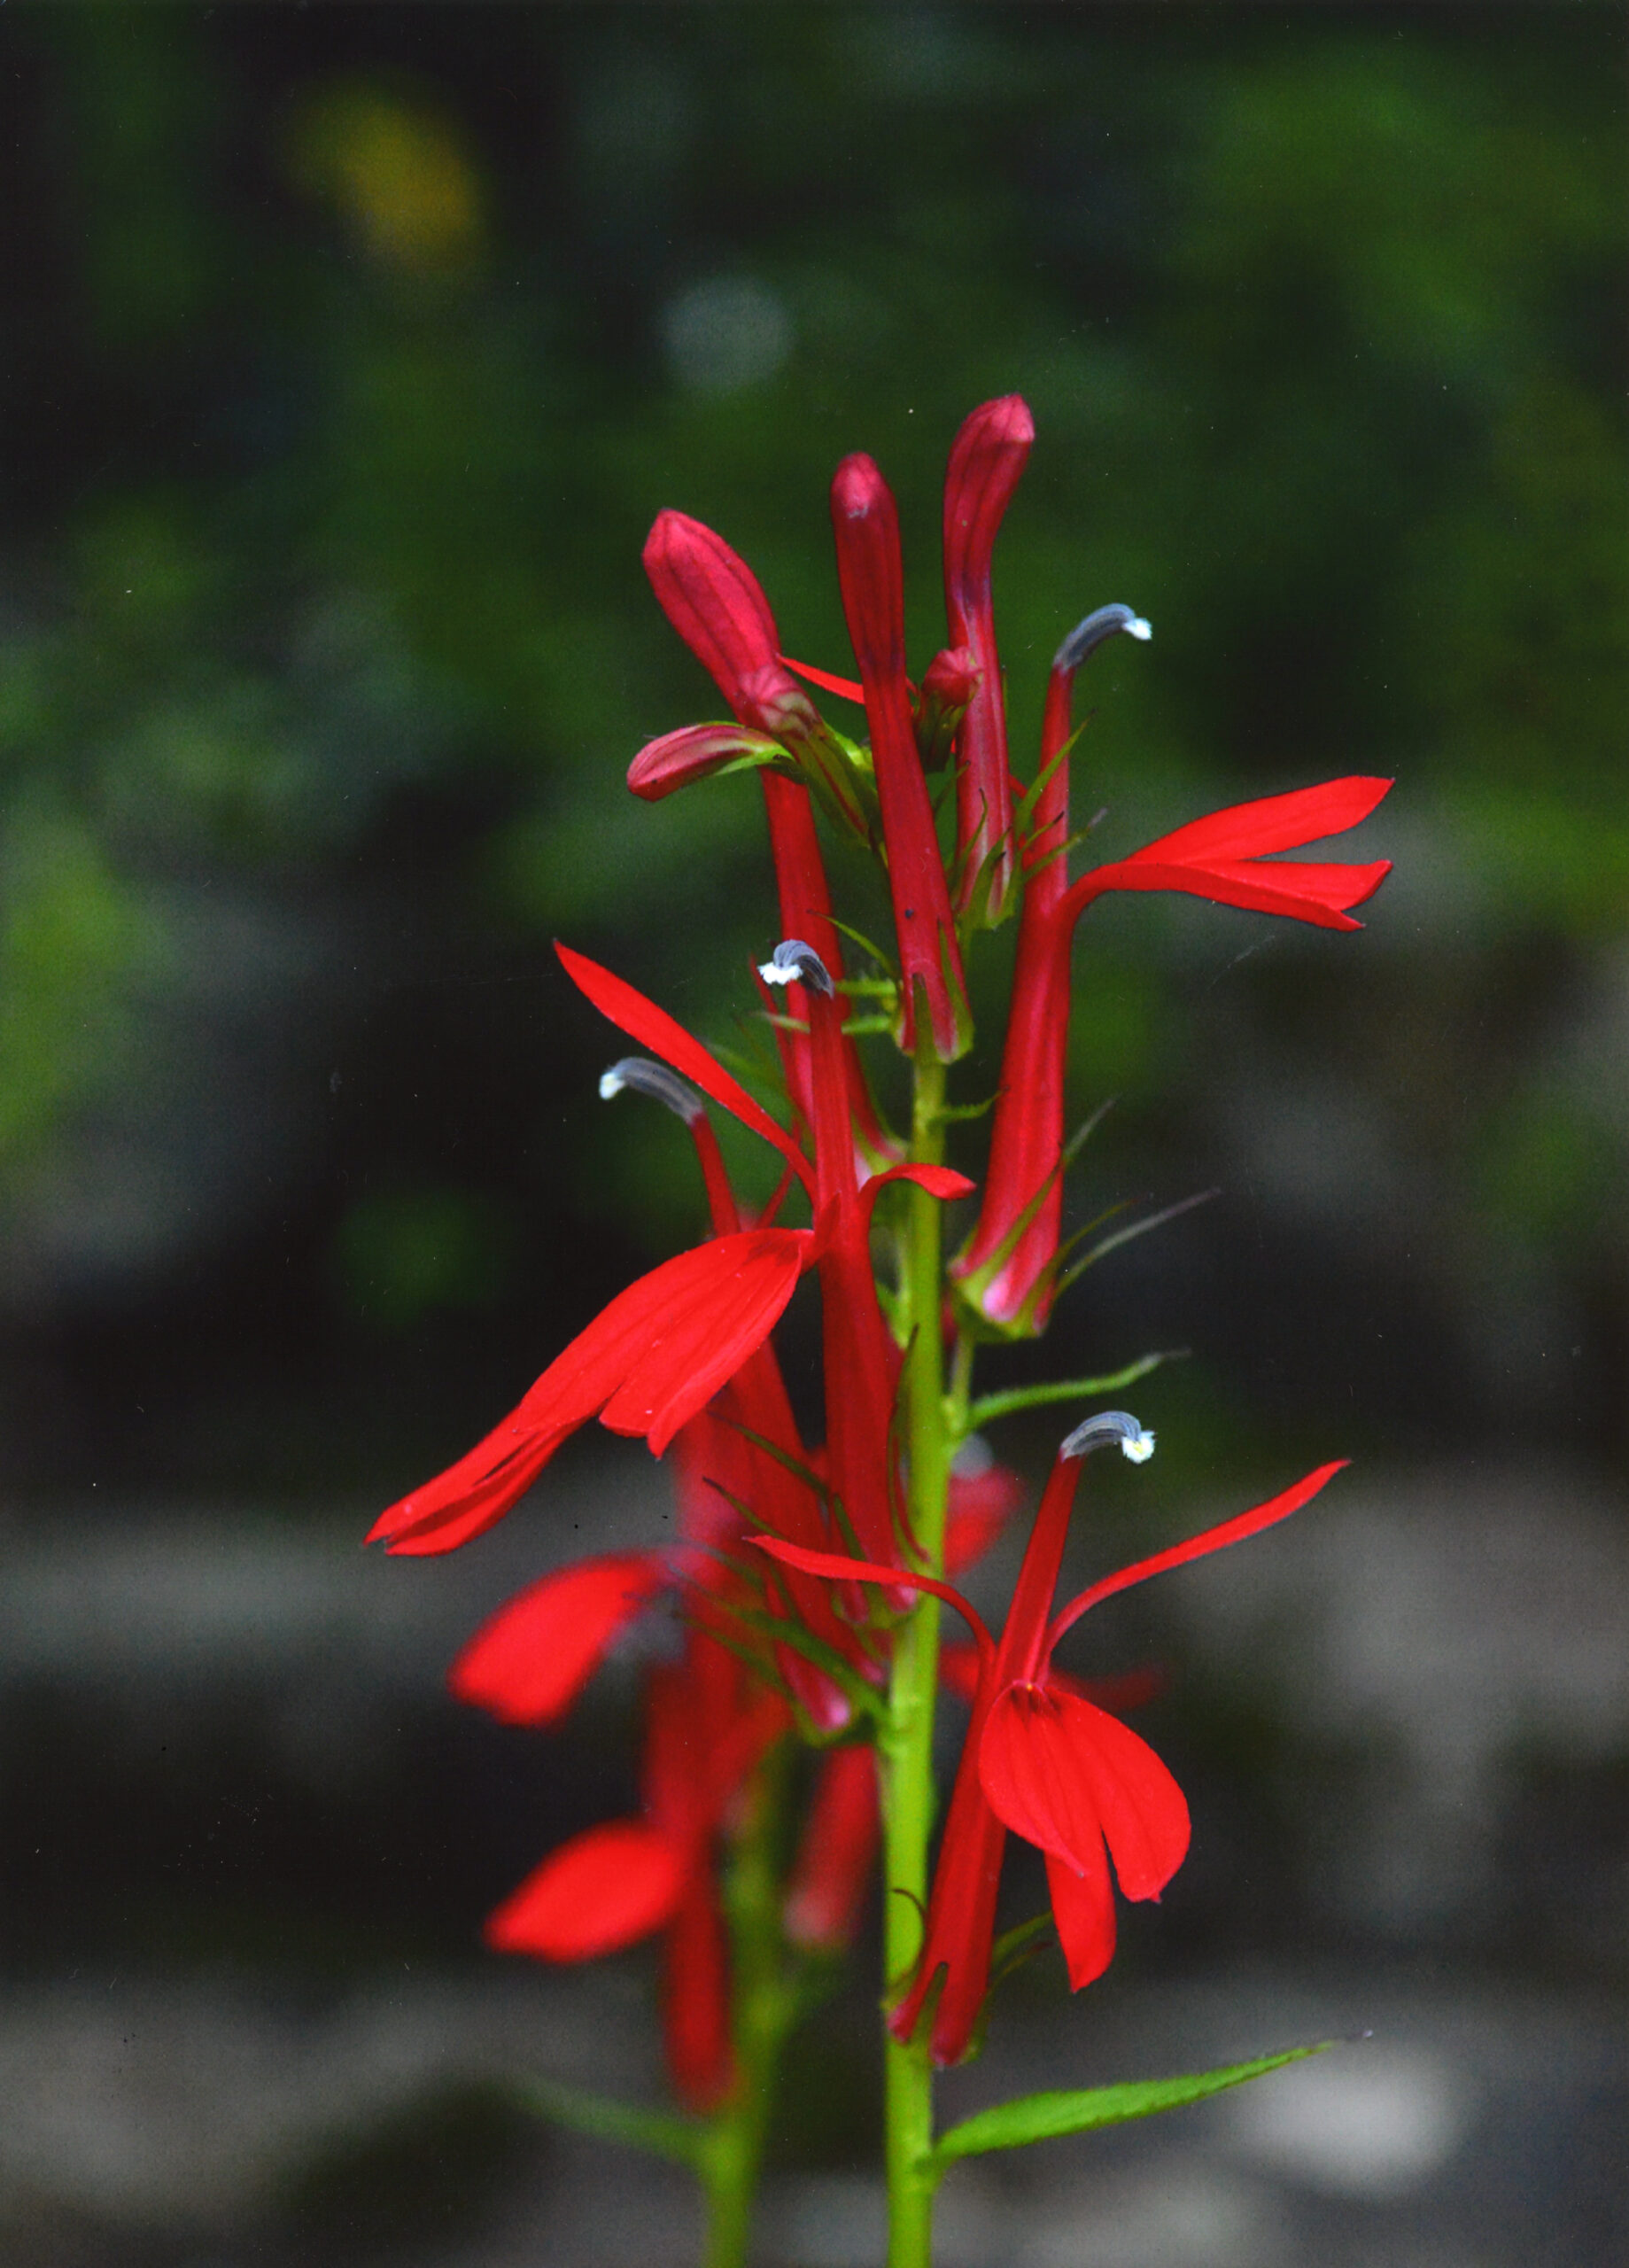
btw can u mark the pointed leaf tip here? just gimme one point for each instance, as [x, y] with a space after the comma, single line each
[1077, 2111]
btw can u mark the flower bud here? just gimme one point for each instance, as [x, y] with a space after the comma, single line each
[986, 461]
[713, 598]
[692, 752]
[951, 680]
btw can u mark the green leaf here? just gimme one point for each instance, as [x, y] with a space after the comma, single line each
[1074, 2110]
[991, 1406]
[665, 2135]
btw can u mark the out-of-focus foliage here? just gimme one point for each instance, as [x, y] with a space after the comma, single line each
[351, 352]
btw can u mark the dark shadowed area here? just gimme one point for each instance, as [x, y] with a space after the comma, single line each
[349, 353]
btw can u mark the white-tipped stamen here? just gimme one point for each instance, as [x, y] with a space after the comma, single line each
[793, 962]
[640, 1077]
[1089, 634]
[1110, 1425]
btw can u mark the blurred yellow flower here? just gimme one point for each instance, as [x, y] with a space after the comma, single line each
[397, 173]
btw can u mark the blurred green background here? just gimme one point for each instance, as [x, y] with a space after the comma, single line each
[350, 352]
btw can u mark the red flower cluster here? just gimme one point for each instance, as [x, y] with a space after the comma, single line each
[784, 1637]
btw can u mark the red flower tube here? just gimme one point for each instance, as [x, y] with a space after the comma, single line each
[987, 460]
[871, 577]
[1045, 1762]
[861, 1360]
[1007, 1265]
[1006, 1269]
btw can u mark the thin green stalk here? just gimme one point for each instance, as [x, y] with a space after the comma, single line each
[908, 1734]
[763, 2002]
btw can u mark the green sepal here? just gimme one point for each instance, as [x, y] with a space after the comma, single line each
[663, 2134]
[1077, 2111]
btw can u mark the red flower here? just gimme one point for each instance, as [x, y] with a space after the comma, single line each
[658, 1353]
[1007, 1268]
[717, 605]
[871, 577]
[986, 459]
[707, 1727]
[1042, 1760]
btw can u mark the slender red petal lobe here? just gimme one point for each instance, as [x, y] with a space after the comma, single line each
[645, 1363]
[631, 1012]
[1227, 857]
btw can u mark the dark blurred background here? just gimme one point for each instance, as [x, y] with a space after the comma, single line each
[350, 352]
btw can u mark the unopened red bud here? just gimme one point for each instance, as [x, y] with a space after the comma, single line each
[776, 704]
[691, 753]
[987, 462]
[713, 598]
[952, 678]
[866, 527]
[986, 459]
[949, 684]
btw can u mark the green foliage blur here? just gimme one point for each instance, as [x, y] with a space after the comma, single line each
[352, 351]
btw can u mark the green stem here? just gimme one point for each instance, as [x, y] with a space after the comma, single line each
[763, 2002]
[907, 1737]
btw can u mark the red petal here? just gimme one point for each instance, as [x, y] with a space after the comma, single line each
[1083, 1908]
[1064, 1774]
[473, 1493]
[600, 1891]
[531, 1660]
[1251, 886]
[866, 1571]
[1272, 823]
[698, 1326]
[654, 1027]
[649, 1360]
[847, 689]
[1143, 1813]
[1034, 1775]
[1197, 1547]
[939, 1181]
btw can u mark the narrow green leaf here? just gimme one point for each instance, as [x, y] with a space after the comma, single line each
[1074, 2110]
[991, 1406]
[684, 2141]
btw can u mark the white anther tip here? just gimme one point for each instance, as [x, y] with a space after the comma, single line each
[611, 1082]
[1111, 1425]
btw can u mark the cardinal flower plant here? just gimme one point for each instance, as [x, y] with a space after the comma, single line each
[788, 1729]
